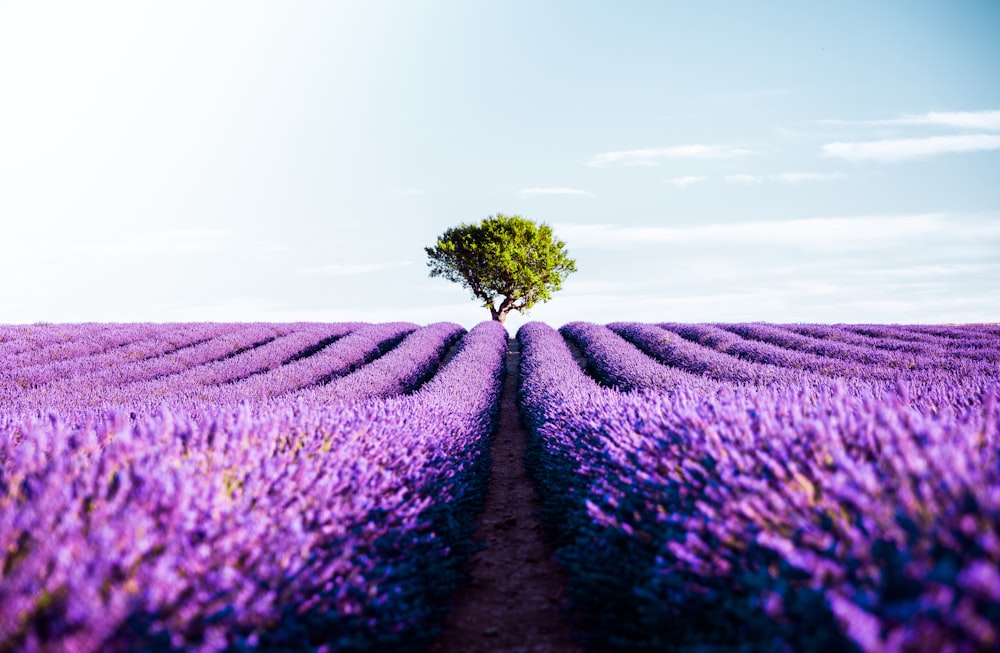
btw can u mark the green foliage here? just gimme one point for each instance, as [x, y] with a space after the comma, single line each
[509, 259]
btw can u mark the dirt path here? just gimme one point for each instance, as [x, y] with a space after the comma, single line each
[512, 600]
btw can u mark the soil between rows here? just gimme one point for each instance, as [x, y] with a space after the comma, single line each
[514, 597]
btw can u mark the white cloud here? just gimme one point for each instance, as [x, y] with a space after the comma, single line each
[652, 156]
[910, 148]
[988, 120]
[781, 177]
[682, 182]
[814, 234]
[528, 193]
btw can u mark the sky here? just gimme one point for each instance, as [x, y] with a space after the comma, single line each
[703, 162]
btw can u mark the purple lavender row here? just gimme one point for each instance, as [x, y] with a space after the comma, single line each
[972, 342]
[400, 371]
[849, 335]
[334, 360]
[762, 352]
[618, 363]
[904, 334]
[764, 519]
[968, 341]
[981, 345]
[956, 333]
[788, 339]
[300, 529]
[148, 367]
[84, 340]
[18, 338]
[896, 332]
[226, 345]
[671, 349]
[76, 399]
[299, 343]
[953, 358]
[992, 328]
[907, 333]
[845, 502]
[563, 463]
[165, 341]
[319, 355]
[929, 391]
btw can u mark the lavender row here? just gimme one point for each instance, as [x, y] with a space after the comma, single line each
[562, 464]
[19, 338]
[959, 333]
[760, 519]
[933, 335]
[929, 391]
[850, 335]
[221, 347]
[331, 361]
[762, 352]
[302, 528]
[671, 349]
[332, 352]
[897, 332]
[167, 341]
[871, 356]
[85, 340]
[615, 362]
[983, 345]
[776, 335]
[400, 371]
[980, 344]
[303, 341]
[962, 340]
[103, 393]
[969, 341]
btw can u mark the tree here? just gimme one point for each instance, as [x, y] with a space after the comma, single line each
[507, 262]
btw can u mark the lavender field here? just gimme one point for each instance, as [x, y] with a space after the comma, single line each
[226, 487]
[707, 487]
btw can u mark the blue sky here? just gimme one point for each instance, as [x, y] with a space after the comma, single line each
[723, 161]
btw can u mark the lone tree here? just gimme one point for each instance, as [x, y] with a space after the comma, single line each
[505, 259]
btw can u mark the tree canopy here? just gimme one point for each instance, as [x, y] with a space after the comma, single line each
[507, 262]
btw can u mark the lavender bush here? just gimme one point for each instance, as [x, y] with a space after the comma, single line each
[617, 363]
[309, 486]
[148, 381]
[290, 524]
[779, 517]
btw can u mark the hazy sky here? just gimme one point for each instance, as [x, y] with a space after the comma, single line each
[704, 161]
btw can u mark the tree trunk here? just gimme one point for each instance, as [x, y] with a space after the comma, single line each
[500, 314]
